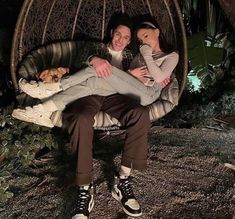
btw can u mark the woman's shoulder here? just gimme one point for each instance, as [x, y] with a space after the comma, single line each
[166, 55]
[172, 55]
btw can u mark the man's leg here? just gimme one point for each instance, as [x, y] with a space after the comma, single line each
[137, 122]
[134, 156]
[78, 118]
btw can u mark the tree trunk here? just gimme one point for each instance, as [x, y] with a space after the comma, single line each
[228, 7]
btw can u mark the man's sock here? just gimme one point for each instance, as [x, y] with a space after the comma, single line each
[86, 186]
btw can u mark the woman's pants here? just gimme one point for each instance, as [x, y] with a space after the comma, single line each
[85, 83]
[78, 118]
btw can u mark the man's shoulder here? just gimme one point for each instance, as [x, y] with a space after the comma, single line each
[128, 51]
[128, 54]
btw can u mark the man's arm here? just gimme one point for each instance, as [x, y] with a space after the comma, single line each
[102, 67]
[100, 60]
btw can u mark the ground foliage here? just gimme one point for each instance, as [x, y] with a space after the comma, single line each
[19, 143]
[186, 178]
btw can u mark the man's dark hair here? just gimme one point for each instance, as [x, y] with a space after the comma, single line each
[117, 19]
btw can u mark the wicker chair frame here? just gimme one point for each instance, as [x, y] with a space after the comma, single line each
[44, 21]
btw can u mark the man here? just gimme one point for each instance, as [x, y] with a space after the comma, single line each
[79, 119]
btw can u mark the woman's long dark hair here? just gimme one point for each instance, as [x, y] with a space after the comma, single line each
[152, 24]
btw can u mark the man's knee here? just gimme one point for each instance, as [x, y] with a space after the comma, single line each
[79, 118]
[142, 112]
[83, 117]
[144, 115]
[137, 115]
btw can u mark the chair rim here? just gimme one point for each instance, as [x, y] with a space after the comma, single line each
[22, 19]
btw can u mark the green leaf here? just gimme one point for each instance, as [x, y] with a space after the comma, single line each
[202, 55]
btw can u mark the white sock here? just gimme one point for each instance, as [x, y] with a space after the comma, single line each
[124, 172]
[86, 186]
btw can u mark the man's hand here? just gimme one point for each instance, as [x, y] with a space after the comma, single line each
[139, 73]
[102, 67]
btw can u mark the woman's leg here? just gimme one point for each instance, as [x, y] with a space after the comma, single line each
[87, 88]
[118, 82]
[124, 83]
[43, 90]
[77, 78]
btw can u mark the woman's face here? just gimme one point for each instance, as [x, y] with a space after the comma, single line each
[121, 37]
[150, 37]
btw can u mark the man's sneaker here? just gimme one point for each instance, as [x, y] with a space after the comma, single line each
[85, 202]
[39, 89]
[37, 115]
[123, 193]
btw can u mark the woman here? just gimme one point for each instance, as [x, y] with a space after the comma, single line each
[149, 73]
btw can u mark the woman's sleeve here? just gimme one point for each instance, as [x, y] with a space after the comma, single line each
[165, 70]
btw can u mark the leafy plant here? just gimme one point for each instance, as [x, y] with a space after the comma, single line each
[19, 141]
[4, 186]
[203, 60]
[208, 43]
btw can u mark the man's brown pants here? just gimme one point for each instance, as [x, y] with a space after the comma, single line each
[79, 120]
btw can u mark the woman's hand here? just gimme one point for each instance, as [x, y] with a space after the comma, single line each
[101, 66]
[146, 50]
[139, 72]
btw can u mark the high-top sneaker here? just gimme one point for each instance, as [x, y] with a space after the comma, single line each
[85, 202]
[123, 193]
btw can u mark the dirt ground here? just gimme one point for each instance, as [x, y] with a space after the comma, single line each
[187, 177]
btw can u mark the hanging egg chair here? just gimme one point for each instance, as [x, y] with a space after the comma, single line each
[41, 22]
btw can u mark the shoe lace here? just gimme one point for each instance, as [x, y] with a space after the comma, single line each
[82, 201]
[126, 188]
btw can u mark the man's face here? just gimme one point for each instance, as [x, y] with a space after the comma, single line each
[121, 37]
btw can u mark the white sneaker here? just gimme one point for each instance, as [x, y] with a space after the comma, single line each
[39, 89]
[37, 115]
[123, 193]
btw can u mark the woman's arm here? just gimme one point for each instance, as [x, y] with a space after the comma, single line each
[167, 66]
